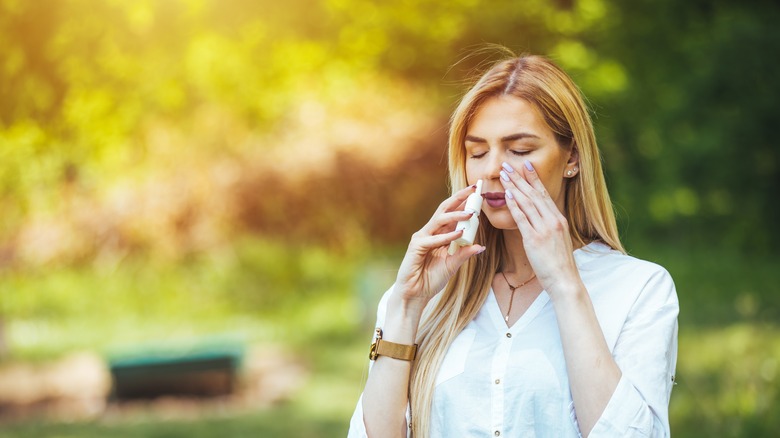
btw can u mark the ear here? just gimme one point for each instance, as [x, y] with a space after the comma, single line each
[573, 164]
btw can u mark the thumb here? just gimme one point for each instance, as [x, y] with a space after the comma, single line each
[466, 252]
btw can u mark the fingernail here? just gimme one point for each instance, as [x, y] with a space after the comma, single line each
[504, 176]
[482, 250]
[529, 166]
[473, 186]
[509, 194]
[507, 167]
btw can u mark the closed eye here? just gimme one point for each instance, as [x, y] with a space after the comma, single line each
[477, 156]
[520, 153]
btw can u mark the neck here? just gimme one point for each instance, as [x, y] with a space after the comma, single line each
[516, 262]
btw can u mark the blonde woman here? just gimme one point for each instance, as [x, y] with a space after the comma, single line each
[543, 327]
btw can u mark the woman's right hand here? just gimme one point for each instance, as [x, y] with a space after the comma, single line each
[427, 266]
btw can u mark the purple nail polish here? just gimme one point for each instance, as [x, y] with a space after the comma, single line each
[507, 167]
[504, 176]
[509, 194]
[529, 166]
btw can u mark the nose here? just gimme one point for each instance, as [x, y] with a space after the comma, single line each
[494, 166]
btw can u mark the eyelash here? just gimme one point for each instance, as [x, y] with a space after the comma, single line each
[518, 153]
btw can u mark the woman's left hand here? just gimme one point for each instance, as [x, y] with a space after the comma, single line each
[545, 231]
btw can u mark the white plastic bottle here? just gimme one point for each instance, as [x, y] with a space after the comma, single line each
[469, 227]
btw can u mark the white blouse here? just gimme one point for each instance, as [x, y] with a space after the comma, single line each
[512, 382]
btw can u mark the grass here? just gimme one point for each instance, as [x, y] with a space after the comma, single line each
[321, 409]
[277, 422]
[728, 382]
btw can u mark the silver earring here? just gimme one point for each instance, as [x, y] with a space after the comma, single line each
[569, 173]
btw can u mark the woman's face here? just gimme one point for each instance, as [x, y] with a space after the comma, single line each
[509, 129]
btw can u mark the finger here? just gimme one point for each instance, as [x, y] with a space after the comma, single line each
[554, 218]
[458, 199]
[434, 241]
[534, 181]
[541, 200]
[525, 227]
[522, 199]
[537, 193]
[453, 203]
[464, 253]
[536, 197]
[446, 222]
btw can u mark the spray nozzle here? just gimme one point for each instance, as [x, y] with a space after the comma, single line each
[474, 201]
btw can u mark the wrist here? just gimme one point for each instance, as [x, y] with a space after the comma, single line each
[382, 347]
[402, 318]
[406, 304]
[568, 293]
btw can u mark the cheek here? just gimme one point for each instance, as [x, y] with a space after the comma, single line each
[553, 182]
[472, 172]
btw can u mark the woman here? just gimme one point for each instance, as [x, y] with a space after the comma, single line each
[543, 327]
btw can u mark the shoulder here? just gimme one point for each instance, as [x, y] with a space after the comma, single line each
[627, 290]
[611, 273]
[599, 258]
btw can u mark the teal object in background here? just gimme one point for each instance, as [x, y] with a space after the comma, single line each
[204, 370]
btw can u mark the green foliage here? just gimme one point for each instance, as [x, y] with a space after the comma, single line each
[175, 169]
[689, 143]
[718, 287]
[280, 422]
[253, 292]
[683, 92]
[728, 382]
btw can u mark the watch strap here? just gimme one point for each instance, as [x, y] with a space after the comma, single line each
[380, 347]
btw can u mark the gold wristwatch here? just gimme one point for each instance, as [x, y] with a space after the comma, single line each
[391, 349]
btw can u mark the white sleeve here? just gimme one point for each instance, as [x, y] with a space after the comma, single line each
[646, 353]
[357, 428]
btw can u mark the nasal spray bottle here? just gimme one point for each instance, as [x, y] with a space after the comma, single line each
[469, 226]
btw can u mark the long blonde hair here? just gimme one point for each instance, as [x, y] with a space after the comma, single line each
[588, 209]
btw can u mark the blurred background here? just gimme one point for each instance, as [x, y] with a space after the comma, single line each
[225, 188]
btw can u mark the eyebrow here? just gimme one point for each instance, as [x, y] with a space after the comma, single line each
[508, 138]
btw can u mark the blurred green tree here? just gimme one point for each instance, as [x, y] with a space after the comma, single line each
[690, 141]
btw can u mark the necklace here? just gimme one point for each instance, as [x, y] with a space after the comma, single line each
[512, 294]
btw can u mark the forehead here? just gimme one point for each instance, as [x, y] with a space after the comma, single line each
[506, 115]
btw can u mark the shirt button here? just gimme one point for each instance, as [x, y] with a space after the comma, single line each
[508, 335]
[498, 381]
[497, 433]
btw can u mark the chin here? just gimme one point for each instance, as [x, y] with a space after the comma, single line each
[501, 220]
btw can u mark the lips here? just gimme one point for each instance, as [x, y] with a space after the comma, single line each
[495, 199]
